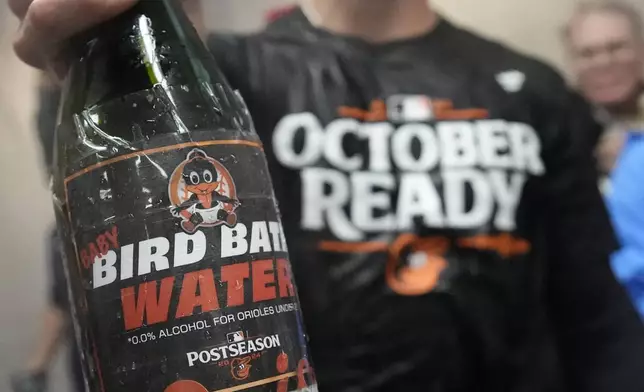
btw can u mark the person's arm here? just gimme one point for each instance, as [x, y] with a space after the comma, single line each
[33, 377]
[626, 205]
[53, 332]
[54, 326]
[600, 336]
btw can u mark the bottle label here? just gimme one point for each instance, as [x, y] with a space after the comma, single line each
[185, 283]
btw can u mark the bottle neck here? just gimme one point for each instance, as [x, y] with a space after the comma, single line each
[145, 66]
[151, 44]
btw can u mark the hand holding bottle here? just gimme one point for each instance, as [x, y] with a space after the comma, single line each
[46, 24]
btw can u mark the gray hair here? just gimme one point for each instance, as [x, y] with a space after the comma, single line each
[626, 11]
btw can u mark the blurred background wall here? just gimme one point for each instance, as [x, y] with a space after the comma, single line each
[531, 26]
[25, 213]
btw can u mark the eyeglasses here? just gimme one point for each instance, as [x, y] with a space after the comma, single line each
[612, 49]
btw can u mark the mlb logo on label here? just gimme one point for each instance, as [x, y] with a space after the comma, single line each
[235, 337]
[408, 108]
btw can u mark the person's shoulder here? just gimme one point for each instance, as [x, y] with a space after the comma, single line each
[226, 45]
[509, 66]
[286, 29]
[246, 58]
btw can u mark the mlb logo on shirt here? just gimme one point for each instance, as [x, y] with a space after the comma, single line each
[409, 108]
[235, 337]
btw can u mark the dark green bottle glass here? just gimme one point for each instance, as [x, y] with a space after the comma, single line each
[177, 263]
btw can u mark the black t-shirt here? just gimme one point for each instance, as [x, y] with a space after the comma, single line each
[444, 231]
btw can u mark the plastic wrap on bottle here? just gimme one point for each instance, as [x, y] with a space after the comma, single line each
[176, 257]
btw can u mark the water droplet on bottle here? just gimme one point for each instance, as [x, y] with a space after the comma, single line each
[163, 368]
